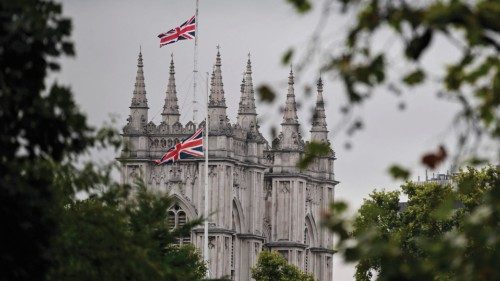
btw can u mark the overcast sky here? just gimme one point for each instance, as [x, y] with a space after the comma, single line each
[107, 35]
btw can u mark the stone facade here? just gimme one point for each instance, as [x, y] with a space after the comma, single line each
[258, 197]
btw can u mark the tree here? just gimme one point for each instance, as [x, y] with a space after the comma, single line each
[271, 266]
[110, 237]
[445, 232]
[472, 28]
[38, 128]
[49, 234]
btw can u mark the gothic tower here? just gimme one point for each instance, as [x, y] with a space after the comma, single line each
[258, 197]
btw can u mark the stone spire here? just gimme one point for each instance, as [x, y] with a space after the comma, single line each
[170, 112]
[319, 130]
[139, 106]
[290, 112]
[139, 99]
[217, 103]
[290, 137]
[247, 115]
[217, 87]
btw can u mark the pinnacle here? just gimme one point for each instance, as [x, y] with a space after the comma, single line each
[290, 113]
[170, 108]
[172, 68]
[217, 90]
[139, 60]
[247, 100]
[319, 130]
[139, 95]
[320, 84]
[249, 65]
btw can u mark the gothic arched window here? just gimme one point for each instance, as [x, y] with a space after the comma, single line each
[177, 218]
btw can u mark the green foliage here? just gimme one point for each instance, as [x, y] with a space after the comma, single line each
[40, 128]
[472, 28]
[312, 151]
[266, 94]
[271, 266]
[48, 234]
[302, 6]
[110, 237]
[398, 172]
[287, 57]
[444, 232]
[414, 78]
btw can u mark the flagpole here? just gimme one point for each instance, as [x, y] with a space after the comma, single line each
[205, 232]
[195, 65]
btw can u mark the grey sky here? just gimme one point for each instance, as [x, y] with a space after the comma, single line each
[107, 35]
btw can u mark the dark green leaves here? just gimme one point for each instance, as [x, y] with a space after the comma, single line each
[398, 172]
[414, 78]
[302, 6]
[418, 44]
[266, 94]
[313, 150]
[287, 57]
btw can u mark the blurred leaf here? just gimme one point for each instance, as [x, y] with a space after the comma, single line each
[418, 44]
[414, 78]
[355, 126]
[266, 94]
[312, 151]
[432, 160]
[398, 172]
[287, 57]
[302, 6]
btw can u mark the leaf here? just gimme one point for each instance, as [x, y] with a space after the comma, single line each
[414, 78]
[398, 172]
[418, 44]
[302, 6]
[287, 57]
[312, 151]
[266, 94]
[432, 160]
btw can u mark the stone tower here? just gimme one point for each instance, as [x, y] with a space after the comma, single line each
[259, 199]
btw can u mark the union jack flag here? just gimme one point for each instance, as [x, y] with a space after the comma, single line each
[188, 148]
[187, 30]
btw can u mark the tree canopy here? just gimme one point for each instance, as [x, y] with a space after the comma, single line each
[443, 232]
[45, 140]
[110, 237]
[271, 266]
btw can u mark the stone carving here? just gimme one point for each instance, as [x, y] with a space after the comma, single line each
[175, 173]
[211, 242]
[285, 187]
[268, 189]
[212, 171]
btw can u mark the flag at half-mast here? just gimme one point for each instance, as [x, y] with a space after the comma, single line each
[190, 147]
[187, 30]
